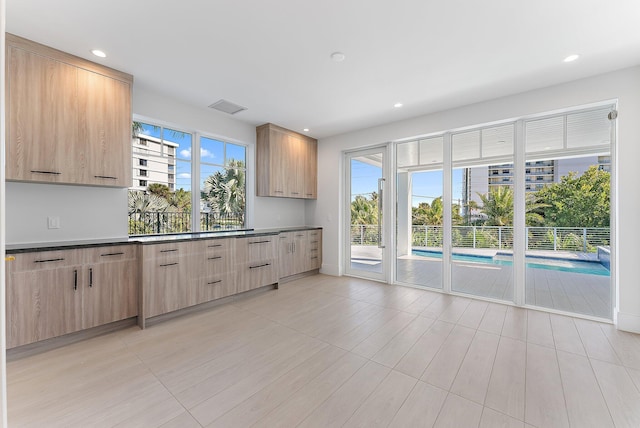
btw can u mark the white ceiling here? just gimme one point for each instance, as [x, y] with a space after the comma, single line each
[273, 56]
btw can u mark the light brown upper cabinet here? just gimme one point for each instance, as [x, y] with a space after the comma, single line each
[68, 120]
[286, 163]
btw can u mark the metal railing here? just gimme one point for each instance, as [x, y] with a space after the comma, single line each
[579, 239]
[161, 222]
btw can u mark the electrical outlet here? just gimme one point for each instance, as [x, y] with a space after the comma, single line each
[53, 222]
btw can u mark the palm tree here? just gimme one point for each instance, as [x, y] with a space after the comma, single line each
[364, 210]
[225, 191]
[141, 202]
[497, 205]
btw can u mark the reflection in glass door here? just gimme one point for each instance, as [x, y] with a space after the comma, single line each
[366, 212]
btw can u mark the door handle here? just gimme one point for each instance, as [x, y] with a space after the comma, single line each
[380, 206]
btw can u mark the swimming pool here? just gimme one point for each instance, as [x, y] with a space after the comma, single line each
[562, 265]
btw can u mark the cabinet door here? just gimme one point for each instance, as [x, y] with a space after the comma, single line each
[109, 292]
[42, 304]
[42, 112]
[279, 172]
[300, 252]
[166, 289]
[295, 166]
[104, 129]
[285, 254]
[311, 169]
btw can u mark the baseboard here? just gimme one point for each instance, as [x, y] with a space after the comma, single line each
[298, 276]
[628, 322]
[60, 341]
[333, 270]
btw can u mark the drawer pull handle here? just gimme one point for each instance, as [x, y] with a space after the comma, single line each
[283, 237]
[49, 260]
[260, 242]
[314, 242]
[90, 277]
[169, 264]
[214, 245]
[313, 249]
[278, 191]
[168, 251]
[214, 282]
[111, 254]
[314, 257]
[295, 193]
[301, 234]
[309, 194]
[106, 177]
[45, 172]
[259, 266]
[214, 258]
[75, 279]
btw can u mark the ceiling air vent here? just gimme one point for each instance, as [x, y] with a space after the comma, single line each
[227, 107]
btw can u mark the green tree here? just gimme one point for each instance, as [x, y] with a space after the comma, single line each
[364, 210]
[578, 200]
[225, 192]
[180, 200]
[497, 205]
[161, 190]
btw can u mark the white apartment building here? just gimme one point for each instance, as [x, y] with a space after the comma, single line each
[154, 161]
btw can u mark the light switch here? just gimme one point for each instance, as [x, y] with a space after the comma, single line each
[53, 222]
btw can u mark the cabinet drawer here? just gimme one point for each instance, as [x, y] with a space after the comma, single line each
[45, 260]
[110, 254]
[216, 246]
[215, 286]
[257, 249]
[163, 252]
[257, 274]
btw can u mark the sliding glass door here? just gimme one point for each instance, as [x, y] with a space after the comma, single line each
[366, 211]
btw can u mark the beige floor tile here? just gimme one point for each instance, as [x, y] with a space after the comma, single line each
[515, 323]
[545, 405]
[278, 392]
[585, 404]
[418, 358]
[473, 377]
[445, 365]
[438, 306]
[376, 341]
[458, 412]
[397, 347]
[621, 395]
[595, 342]
[566, 335]
[184, 420]
[506, 392]
[626, 345]
[454, 311]
[351, 338]
[472, 316]
[295, 410]
[420, 304]
[493, 319]
[382, 405]
[493, 419]
[635, 376]
[421, 408]
[342, 404]
[539, 329]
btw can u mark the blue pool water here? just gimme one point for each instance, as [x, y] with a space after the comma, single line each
[562, 265]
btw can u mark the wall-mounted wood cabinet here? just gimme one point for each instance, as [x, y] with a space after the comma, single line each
[286, 163]
[52, 293]
[68, 120]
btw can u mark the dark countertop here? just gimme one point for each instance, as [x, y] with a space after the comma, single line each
[148, 239]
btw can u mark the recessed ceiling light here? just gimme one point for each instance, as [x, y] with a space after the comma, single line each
[571, 58]
[306, 129]
[98, 52]
[397, 105]
[338, 56]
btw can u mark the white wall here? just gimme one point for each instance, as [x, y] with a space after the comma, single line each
[84, 212]
[623, 85]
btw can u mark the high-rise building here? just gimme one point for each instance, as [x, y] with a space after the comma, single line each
[154, 161]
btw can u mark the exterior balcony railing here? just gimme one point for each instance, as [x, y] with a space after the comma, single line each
[162, 222]
[576, 239]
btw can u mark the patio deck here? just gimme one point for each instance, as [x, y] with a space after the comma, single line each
[580, 293]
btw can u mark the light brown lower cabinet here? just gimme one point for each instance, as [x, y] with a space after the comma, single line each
[300, 251]
[256, 262]
[52, 293]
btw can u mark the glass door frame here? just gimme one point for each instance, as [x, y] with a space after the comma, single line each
[386, 184]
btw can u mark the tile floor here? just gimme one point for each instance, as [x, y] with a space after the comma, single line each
[327, 351]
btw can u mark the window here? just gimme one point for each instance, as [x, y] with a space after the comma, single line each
[163, 202]
[222, 184]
